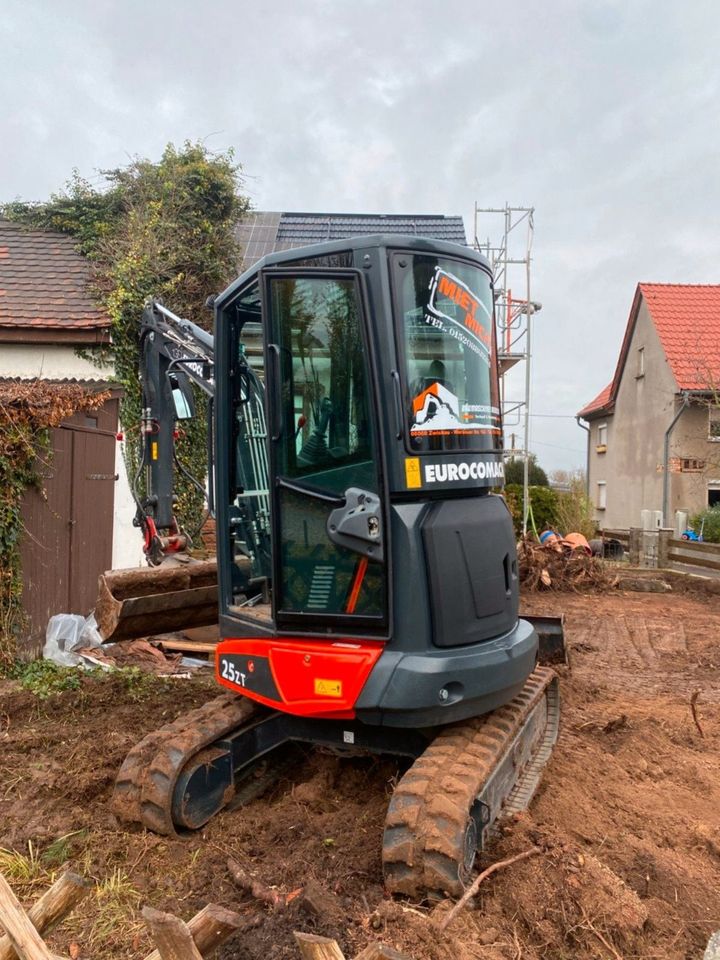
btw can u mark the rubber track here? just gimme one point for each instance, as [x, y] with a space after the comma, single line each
[145, 785]
[428, 814]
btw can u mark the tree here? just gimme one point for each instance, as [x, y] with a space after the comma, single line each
[153, 229]
[515, 470]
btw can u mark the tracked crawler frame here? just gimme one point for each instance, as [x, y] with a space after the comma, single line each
[462, 779]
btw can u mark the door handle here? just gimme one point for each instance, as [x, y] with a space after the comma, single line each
[357, 524]
[397, 397]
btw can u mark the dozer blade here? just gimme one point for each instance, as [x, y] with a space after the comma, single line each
[472, 774]
[138, 602]
[551, 634]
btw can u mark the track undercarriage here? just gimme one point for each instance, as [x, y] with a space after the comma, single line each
[461, 780]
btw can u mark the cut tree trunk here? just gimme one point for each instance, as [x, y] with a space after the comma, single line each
[28, 943]
[55, 904]
[313, 947]
[171, 935]
[209, 928]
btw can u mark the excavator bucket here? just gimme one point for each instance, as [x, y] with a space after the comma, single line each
[551, 634]
[139, 602]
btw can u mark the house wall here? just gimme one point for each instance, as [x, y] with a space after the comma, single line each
[47, 362]
[689, 441]
[644, 407]
[127, 540]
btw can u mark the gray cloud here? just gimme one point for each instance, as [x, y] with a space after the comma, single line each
[601, 114]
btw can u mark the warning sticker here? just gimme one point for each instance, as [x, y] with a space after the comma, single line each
[328, 688]
[413, 480]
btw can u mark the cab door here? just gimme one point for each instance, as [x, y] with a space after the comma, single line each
[329, 528]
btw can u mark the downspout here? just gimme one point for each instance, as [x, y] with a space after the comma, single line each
[666, 458]
[587, 458]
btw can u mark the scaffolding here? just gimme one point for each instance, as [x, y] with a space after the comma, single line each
[510, 258]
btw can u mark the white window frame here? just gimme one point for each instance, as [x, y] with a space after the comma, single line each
[602, 436]
[602, 495]
[714, 419]
[640, 362]
[711, 485]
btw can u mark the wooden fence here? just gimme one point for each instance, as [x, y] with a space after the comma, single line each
[697, 554]
[660, 548]
[623, 536]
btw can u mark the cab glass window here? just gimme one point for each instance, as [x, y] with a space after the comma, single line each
[326, 422]
[448, 338]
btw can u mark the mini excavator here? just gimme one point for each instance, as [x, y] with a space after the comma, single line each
[366, 582]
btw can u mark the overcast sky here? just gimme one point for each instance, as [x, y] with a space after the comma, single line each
[602, 115]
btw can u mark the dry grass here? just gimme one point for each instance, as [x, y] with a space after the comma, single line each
[117, 902]
[24, 869]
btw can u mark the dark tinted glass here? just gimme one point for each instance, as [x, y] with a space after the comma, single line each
[447, 329]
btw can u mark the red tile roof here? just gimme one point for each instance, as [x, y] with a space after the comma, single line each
[599, 404]
[44, 282]
[687, 319]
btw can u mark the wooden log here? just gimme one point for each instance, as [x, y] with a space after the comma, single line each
[27, 942]
[172, 937]
[313, 947]
[378, 951]
[55, 904]
[185, 646]
[210, 927]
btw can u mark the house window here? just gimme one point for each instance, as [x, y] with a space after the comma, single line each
[641, 362]
[601, 495]
[713, 494]
[601, 438]
[714, 423]
[691, 465]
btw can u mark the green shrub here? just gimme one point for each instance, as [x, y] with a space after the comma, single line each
[709, 520]
[515, 472]
[543, 501]
[575, 513]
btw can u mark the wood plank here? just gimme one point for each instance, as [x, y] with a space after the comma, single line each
[695, 561]
[55, 904]
[172, 937]
[24, 937]
[185, 646]
[210, 927]
[313, 947]
[694, 547]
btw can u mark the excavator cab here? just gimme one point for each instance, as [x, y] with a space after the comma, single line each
[357, 478]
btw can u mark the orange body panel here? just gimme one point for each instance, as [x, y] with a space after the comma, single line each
[314, 678]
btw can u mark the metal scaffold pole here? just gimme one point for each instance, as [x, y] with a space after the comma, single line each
[514, 313]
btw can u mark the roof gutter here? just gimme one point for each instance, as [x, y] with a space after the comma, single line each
[666, 456]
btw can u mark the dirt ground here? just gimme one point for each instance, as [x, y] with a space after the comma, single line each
[626, 818]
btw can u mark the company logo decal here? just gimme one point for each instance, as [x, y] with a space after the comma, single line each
[453, 301]
[466, 470]
[436, 408]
